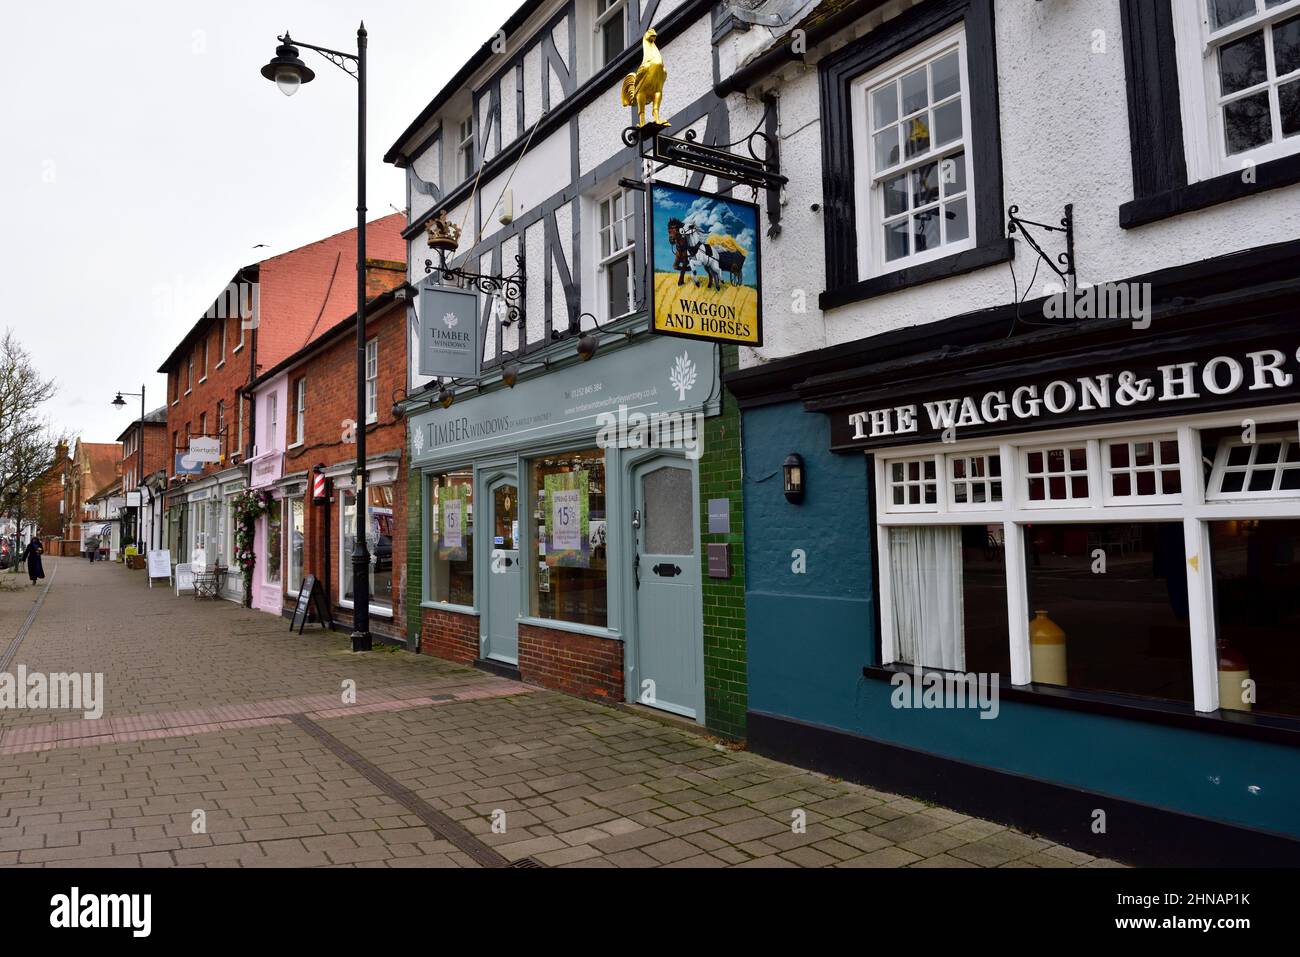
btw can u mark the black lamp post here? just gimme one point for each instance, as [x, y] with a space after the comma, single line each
[120, 402]
[288, 72]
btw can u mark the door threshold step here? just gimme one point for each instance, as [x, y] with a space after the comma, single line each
[500, 668]
[662, 716]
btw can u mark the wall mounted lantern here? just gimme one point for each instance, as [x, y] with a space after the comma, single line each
[794, 478]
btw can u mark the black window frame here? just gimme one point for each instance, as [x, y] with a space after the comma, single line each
[837, 74]
[1160, 183]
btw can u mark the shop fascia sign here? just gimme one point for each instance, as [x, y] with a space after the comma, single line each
[1260, 376]
[657, 376]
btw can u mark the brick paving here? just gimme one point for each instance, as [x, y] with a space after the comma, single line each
[198, 718]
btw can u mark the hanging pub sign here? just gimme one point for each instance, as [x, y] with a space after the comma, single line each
[705, 259]
[449, 331]
[1224, 378]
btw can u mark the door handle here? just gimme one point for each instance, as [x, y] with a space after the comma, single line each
[665, 570]
[509, 561]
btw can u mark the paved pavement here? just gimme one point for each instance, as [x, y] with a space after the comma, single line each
[227, 741]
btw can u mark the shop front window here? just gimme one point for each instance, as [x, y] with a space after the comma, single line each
[568, 553]
[1256, 579]
[1086, 565]
[451, 537]
[379, 542]
[294, 545]
[274, 527]
[1108, 607]
[949, 597]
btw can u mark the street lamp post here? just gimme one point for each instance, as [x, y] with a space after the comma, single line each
[139, 485]
[288, 72]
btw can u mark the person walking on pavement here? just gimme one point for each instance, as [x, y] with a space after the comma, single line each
[92, 548]
[32, 555]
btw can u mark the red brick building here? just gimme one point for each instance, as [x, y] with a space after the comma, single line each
[306, 410]
[266, 312]
[92, 469]
[50, 518]
[151, 436]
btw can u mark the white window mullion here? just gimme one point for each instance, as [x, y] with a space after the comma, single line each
[1013, 550]
[1096, 474]
[888, 641]
[1200, 583]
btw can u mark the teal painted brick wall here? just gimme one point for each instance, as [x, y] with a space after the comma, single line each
[721, 474]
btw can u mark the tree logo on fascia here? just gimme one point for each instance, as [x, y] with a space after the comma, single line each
[450, 319]
[417, 439]
[682, 376]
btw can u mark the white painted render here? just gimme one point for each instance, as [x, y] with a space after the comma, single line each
[1064, 139]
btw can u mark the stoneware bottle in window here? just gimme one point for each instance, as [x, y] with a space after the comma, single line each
[1047, 650]
[1234, 672]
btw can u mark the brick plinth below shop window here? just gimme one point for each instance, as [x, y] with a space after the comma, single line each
[584, 665]
[449, 634]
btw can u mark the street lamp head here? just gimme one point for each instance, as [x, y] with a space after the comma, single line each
[287, 70]
[119, 401]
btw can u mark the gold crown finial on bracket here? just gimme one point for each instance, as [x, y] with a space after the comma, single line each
[443, 234]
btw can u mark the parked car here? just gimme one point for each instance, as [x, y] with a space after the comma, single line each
[8, 553]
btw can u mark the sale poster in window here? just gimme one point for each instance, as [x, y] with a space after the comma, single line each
[452, 523]
[566, 517]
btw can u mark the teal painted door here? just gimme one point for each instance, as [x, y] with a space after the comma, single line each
[670, 653]
[503, 577]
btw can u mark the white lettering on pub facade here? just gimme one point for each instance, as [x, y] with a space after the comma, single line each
[1179, 381]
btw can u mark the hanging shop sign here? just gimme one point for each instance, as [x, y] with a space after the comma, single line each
[449, 331]
[705, 266]
[204, 449]
[1139, 389]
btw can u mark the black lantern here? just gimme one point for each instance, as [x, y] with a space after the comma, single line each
[793, 469]
[587, 344]
[446, 397]
[510, 373]
[286, 70]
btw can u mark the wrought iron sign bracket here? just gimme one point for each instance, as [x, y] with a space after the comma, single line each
[1065, 270]
[509, 289]
[759, 171]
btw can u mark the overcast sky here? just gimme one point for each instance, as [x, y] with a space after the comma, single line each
[145, 157]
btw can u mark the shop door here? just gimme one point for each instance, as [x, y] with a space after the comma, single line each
[503, 578]
[670, 652]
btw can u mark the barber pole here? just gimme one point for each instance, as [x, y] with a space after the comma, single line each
[318, 493]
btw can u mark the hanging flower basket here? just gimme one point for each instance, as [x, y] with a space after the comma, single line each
[249, 505]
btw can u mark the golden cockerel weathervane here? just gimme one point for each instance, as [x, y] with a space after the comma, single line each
[646, 85]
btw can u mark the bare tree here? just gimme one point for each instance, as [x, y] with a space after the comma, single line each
[27, 442]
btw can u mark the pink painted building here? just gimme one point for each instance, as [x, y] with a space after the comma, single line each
[273, 542]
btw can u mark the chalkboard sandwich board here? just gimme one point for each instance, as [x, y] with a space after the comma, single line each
[310, 596]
